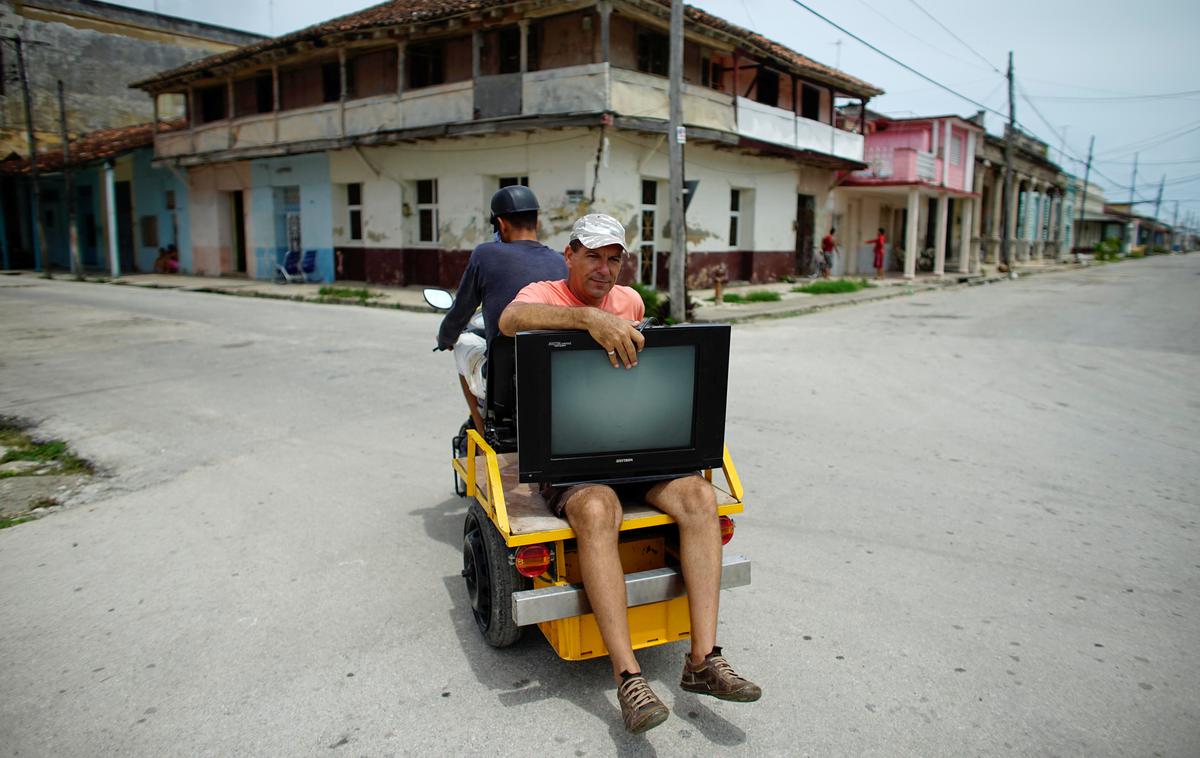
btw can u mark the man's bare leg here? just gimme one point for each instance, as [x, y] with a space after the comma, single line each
[595, 515]
[691, 502]
[472, 403]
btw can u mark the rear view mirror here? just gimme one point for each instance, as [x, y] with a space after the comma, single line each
[438, 298]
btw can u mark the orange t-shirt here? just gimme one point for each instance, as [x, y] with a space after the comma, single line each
[624, 302]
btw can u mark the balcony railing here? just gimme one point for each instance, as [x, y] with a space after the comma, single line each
[782, 127]
[589, 88]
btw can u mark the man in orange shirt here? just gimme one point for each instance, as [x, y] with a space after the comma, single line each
[590, 299]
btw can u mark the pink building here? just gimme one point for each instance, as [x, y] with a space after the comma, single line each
[920, 172]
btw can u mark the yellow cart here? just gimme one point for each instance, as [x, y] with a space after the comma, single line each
[521, 565]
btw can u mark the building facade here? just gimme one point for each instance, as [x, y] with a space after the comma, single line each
[376, 139]
[918, 188]
[1041, 211]
[95, 49]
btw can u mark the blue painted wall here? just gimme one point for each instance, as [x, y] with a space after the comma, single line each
[268, 224]
[150, 188]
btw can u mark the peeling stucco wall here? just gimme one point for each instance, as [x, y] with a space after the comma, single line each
[97, 51]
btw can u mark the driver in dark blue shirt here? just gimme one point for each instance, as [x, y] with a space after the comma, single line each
[495, 273]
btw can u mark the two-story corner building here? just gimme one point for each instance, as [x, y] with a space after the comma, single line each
[1042, 206]
[918, 186]
[95, 49]
[377, 138]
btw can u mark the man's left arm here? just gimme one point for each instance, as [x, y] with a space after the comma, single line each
[466, 300]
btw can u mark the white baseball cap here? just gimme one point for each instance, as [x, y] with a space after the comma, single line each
[596, 230]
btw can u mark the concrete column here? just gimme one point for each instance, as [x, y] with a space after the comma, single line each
[1013, 207]
[997, 211]
[523, 25]
[939, 244]
[110, 215]
[274, 101]
[476, 43]
[605, 8]
[910, 239]
[400, 67]
[1064, 250]
[946, 153]
[965, 245]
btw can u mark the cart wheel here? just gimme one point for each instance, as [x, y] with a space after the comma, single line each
[491, 579]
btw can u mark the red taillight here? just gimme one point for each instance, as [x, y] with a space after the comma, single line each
[532, 560]
[726, 530]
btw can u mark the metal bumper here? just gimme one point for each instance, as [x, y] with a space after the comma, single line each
[656, 585]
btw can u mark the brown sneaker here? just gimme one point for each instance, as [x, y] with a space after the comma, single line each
[640, 707]
[717, 678]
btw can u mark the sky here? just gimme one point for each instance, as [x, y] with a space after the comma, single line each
[1083, 68]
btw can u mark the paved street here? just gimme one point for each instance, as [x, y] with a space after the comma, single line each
[973, 516]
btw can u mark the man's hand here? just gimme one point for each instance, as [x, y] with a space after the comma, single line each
[619, 338]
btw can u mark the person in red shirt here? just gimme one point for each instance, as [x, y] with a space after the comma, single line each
[828, 249]
[880, 242]
[590, 299]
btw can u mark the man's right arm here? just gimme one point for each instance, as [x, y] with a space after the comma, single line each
[617, 336]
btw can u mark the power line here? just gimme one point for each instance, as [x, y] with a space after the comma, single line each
[915, 36]
[1158, 139]
[897, 61]
[1118, 98]
[961, 41]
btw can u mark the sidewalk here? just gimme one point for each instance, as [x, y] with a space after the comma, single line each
[411, 299]
[893, 285]
[402, 298]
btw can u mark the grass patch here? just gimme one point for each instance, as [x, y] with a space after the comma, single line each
[23, 448]
[7, 522]
[834, 287]
[758, 296]
[347, 293]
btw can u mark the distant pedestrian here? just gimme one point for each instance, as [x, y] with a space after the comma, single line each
[829, 248]
[880, 242]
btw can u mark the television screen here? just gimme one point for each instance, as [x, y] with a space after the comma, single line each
[597, 409]
[579, 419]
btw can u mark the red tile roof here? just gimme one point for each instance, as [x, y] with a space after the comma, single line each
[397, 12]
[91, 147]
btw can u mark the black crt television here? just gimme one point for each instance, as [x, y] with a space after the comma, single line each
[581, 420]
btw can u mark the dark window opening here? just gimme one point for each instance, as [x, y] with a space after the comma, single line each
[427, 211]
[767, 89]
[502, 51]
[331, 82]
[512, 181]
[170, 200]
[355, 224]
[354, 194]
[211, 104]
[653, 50]
[533, 45]
[712, 74]
[254, 95]
[372, 73]
[426, 64]
[649, 192]
[149, 231]
[309, 85]
[810, 102]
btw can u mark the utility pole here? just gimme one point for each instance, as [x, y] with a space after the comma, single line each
[1087, 175]
[675, 137]
[1010, 134]
[72, 231]
[39, 234]
[1133, 183]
